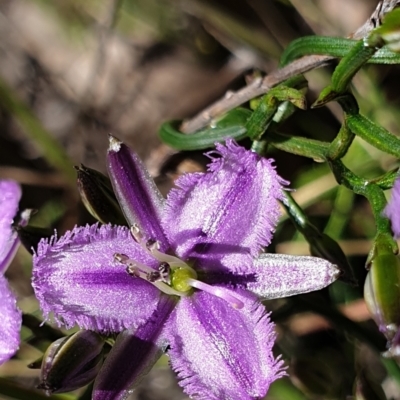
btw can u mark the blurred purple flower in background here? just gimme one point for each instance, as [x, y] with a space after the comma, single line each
[188, 276]
[392, 210]
[10, 194]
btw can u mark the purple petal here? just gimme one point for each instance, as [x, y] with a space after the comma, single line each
[220, 352]
[137, 194]
[281, 275]
[133, 355]
[77, 279]
[10, 194]
[223, 217]
[392, 210]
[10, 322]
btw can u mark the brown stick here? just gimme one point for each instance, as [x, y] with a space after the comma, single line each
[261, 86]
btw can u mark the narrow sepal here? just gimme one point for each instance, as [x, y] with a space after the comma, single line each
[137, 194]
[71, 362]
[212, 217]
[10, 322]
[133, 355]
[77, 279]
[220, 352]
[98, 196]
[281, 275]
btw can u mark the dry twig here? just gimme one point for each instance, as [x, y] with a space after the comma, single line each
[263, 85]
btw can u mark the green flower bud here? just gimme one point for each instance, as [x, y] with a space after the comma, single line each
[98, 196]
[382, 290]
[71, 362]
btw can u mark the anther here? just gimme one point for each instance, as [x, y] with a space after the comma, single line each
[132, 270]
[152, 245]
[121, 258]
[165, 272]
[139, 270]
[136, 234]
[153, 276]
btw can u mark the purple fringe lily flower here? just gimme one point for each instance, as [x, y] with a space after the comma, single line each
[392, 210]
[10, 194]
[188, 276]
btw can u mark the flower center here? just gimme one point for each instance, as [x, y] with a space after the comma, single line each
[173, 276]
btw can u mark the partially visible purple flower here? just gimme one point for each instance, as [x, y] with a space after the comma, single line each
[10, 193]
[189, 280]
[392, 210]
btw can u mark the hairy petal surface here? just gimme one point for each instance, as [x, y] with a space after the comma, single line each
[133, 355]
[220, 352]
[392, 210]
[222, 218]
[282, 275]
[137, 194]
[10, 322]
[10, 194]
[77, 279]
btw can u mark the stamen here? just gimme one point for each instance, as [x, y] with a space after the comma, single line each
[137, 269]
[152, 247]
[171, 260]
[146, 273]
[216, 291]
[136, 234]
[165, 272]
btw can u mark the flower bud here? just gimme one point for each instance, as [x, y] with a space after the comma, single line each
[30, 236]
[98, 196]
[71, 362]
[382, 290]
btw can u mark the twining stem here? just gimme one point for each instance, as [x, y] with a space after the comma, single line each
[261, 86]
[363, 187]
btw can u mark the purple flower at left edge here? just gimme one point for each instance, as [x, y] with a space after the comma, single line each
[392, 210]
[187, 277]
[10, 194]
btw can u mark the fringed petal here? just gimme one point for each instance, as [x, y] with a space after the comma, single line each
[133, 355]
[392, 210]
[222, 218]
[77, 279]
[281, 275]
[137, 194]
[10, 194]
[220, 352]
[10, 322]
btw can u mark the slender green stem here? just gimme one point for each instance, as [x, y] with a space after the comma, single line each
[334, 47]
[374, 134]
[361, 186]
[358, 55]
[340, 145]
[301, 146]
[268, 105]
